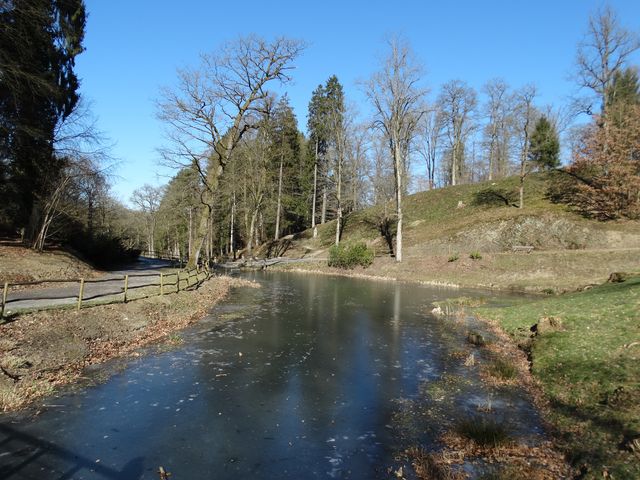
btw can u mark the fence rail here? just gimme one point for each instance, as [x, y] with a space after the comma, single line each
[166, 283]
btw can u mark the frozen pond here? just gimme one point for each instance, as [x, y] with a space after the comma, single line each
[301, 382]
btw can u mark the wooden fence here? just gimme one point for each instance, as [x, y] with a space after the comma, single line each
[165, 282]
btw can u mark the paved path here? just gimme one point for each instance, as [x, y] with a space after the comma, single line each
[144, 272]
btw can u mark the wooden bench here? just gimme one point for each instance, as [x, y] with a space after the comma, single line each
[522, 248]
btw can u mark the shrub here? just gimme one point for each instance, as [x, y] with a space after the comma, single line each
[484, 432]
[476, 339]
[341, 256]
[503, 369]
[453, 258]
[475, 256]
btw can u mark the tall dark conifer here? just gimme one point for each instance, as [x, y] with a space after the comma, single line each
[39, 40]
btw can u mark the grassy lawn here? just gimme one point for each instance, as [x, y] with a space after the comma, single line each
[589, 370]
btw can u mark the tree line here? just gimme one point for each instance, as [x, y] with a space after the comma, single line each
[247, 176]
[254, 177]
[54, 163]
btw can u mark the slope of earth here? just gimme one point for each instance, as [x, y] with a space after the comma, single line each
[22, 264]
[443, 227]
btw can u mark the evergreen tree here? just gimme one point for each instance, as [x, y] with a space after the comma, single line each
[317, 149]
[544, 145]
[39, 40]
[290, 171]
[623, 95]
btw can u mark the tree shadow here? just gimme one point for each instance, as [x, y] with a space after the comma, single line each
[493, 196]
[385, 225]
[277, 248]
[30, 456]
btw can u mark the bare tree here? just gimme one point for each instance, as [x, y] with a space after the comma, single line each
[498, 112]
[526, 115]
[147, 198]
[397, 101]
[457, 102]
[430, 135]
[603, 52]
[358, 145]
[211, 109]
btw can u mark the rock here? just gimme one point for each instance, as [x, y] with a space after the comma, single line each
[621, 398]
[470, 361]
[618, 277]
[437, 311]
[632, 444]
[546, 325]
[476, 339]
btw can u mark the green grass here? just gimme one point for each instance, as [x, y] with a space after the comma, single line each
[582, 366]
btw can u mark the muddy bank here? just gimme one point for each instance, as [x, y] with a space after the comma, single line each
[44, 350]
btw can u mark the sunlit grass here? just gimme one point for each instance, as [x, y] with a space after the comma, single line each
[581, 366]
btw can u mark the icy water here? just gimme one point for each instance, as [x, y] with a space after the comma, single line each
[308, 378]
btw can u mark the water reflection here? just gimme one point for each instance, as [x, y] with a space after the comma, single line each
[301, 383]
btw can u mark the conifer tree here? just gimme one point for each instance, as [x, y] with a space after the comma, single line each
[544, 145]
[39, 41]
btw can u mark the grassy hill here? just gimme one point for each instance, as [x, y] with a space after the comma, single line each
[570, 250]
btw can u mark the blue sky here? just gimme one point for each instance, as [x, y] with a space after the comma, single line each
[134, 47]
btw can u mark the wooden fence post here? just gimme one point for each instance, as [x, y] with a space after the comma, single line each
[177, 282]
[126, 287]
[161, 284]
[80, 294]
[4, 298]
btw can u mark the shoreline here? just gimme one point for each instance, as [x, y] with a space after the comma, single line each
[41, 351]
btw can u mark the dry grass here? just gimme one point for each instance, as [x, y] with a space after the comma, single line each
[570, 251]
[21, 264]
[43, 350]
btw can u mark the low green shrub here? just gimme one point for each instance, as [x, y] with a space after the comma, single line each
[503, 369]
[349, 256]
[453, 258]
[475, 256]
[484, 432]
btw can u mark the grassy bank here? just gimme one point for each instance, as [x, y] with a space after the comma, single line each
[444, 227]
[585, 353]
[42, 350]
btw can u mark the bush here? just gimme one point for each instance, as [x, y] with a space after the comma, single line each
[453, 258]
[484, 432]
[341, 256]
[503, 369]
[475, 256]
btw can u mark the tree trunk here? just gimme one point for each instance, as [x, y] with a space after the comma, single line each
[324, 205]
[279, 205]
[315, 193]
[190, 243]
[397, 166]
[213, 180]
[454, 163]
[233, 219]
[252, 227]
[339, 199]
